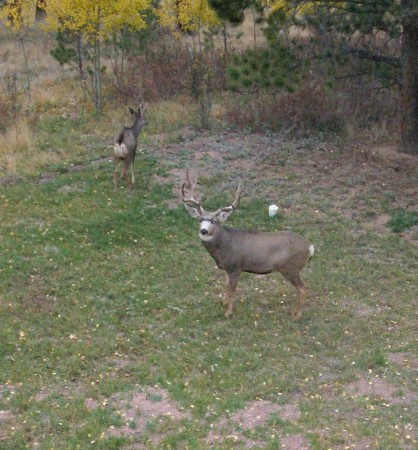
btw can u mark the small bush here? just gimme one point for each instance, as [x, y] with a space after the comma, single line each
[168, 70]
[403, 220]
[307, 111]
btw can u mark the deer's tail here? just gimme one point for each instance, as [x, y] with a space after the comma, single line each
[120, 138]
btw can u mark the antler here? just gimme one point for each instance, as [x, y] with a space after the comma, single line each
[236, 201]
[189, 199]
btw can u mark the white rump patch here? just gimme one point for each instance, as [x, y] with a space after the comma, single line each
[311, 250]
[120, 150]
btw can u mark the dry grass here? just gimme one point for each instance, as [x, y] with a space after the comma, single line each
[37, 45]
[16, 145]
[172, 114]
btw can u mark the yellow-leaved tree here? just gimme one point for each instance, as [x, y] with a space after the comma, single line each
[94, 21]
[19, 15]
[191, 17]
[187, 15]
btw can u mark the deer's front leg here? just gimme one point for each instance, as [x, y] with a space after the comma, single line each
[232, 280]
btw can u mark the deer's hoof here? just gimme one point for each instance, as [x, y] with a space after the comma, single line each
[297, 314]
[228, 314]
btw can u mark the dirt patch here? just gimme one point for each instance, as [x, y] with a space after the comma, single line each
[361, 444]
[360, 309]
[41, 396]
[9, 180]
[6, 389]
[399, 161]
[406, 360]
[69, 392]
[294, 442]
[254, 415]
[47, 177]
[6, 418]
[381, 389]
[411, 235]
[223, 432]
[139, 409]
[379, 224]
[91, 404]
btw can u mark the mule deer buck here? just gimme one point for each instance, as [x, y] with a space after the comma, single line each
[237, 251]
[124, 149]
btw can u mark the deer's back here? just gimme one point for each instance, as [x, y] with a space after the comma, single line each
[129, 138]
[260, 252]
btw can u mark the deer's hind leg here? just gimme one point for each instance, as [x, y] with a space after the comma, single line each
[132, 174]
[129, 163]
[294, 278]
[115, 175]
[126, 164]
[232, 281]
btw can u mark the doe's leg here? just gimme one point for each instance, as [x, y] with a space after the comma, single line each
[132, 175]
[115, 175]
[232, 280]
[125, 169]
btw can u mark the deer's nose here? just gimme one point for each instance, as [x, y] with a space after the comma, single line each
[204, 231]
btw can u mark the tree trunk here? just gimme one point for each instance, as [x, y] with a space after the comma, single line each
[409, 82]
[97, 85]
[25, 58]
[97, 76]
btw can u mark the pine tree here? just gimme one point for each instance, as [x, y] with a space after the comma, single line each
[396, 19]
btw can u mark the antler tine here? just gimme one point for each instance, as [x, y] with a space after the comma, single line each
[190, 198]
[235, 203]
[240, 190]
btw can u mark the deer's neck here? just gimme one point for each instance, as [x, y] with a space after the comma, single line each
[219, 246]
[136, 127]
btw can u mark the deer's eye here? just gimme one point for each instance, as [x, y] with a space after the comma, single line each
[213, 222]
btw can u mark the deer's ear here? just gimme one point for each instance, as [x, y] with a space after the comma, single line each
[194, 212]
[132, 111]
[224, 214]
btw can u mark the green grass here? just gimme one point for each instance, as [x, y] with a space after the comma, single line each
[105, 293]
[402, 220]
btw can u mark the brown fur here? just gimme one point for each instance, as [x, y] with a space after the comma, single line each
[237, 251]
[124, 149]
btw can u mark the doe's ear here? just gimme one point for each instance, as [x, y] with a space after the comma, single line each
[194, 212]
[132, 111]
[224, 214]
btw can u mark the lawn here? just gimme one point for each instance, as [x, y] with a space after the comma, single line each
[113, 332]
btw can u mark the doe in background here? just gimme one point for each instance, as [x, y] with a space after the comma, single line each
[124, 149]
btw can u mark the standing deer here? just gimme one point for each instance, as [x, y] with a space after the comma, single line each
[237, 251]
[124, 149]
